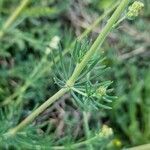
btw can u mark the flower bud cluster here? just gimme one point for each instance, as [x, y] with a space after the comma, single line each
[134, 9]
[101, 91]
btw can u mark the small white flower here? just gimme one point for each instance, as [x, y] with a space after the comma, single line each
[53, 44]
[106, 131]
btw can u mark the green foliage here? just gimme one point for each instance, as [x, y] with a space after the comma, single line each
[27, 72]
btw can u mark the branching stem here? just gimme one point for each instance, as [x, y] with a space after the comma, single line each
[24, 87]
[79, 67]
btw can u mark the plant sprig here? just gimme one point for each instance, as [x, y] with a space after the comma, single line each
[77, 71]
[22, 89]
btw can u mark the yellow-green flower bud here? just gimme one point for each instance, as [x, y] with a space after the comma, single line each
[106, 131]
[101, 91]
[134, 9]
[117, 143]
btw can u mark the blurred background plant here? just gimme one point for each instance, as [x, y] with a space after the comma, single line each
[26, 76]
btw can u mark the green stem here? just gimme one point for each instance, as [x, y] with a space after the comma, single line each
[76, 72]
[71, 146]
[21, 90]
[36, 112]
[100, 39]
[13, 17]
[119, 21]
[92, 26]
[77, 145]
[86, 128]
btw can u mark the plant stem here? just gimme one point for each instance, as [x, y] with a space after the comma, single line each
[89, 29]
[98, 42]
[86, 128]
[36, 112]
[77, 145]
[13, 17]
[24, 87]
[71, 146]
